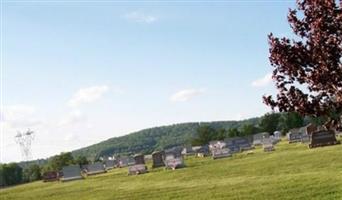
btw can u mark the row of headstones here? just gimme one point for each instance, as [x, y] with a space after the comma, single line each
[227, 147]
[75, 172]
[312, 135]
[170, 159]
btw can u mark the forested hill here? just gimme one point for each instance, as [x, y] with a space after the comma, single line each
[148, 140]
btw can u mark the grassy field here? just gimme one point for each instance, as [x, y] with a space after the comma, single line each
[291, 172]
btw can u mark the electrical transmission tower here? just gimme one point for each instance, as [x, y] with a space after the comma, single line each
[24, 139]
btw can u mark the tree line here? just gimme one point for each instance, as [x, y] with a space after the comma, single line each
[270, 123]
[15, 173]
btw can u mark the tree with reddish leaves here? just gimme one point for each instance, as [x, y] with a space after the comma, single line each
[308, 71]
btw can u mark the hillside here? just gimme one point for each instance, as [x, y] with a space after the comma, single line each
[291, 172]
[148, 140]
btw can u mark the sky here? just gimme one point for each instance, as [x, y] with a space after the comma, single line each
[79, 72]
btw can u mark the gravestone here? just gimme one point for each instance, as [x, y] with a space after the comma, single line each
[257, 138]
[95, 168]
[201, 151]
[109, 164]
[50, 176]
[157, 159]
[188, 151]
[125, 161]
[323, 138]
[294, 135]
[137, 169]
[131, 161]
[305, 138]
[277, 135]
[274, 140]
[139, 159]
[243, 143]
[176, 151]
[217, 144]
[70, 173]
[220, 153]
[233, 148]
[231, 145]
[267, 145]
[173, 162]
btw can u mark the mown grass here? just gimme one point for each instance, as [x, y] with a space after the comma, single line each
[291, 172]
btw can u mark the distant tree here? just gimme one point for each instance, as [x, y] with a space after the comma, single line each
[308, 72]
[233, 132]
[248, 129]
[289, 121]
[10, 174]
[269, 122]
[81, 160]
[204, 135]
[221, 134]
[32, 173]
[59, 161]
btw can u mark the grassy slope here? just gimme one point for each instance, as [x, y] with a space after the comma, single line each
[291, 172]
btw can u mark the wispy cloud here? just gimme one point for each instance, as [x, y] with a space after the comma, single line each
[19, 116]
[72, 118]
[262, 82]
[140, 17]
[87, 95]
[186, 95]
[14, 112]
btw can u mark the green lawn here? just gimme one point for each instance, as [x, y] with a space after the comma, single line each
[291, 172]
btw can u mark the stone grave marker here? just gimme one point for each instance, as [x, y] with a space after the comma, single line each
[243, 143]
[176, 151]
[95, 168]
[201, 151]
[257, 138]
[125, 161]
[173, 161]
[157, 159]
[231, 145]
[294, 135]
[110, 164]
[137, 169]
[323, 138]
[50, 176]
[305, 138]
[220, 153]
[188, 151]
[217, 144]
[139, 159]
[277, 135]
[70, 173]
[267, 145]
[131, 161]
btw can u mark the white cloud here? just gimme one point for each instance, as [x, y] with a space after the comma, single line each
[186, 95]
[140, 17]
[73, 118]
[14, 112]
[71, 137]
[87, 95]
[19, 116]
[264, 81]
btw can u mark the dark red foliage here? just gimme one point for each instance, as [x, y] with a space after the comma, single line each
[308, 72]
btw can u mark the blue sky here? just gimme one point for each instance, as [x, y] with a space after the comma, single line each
[78, 73]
